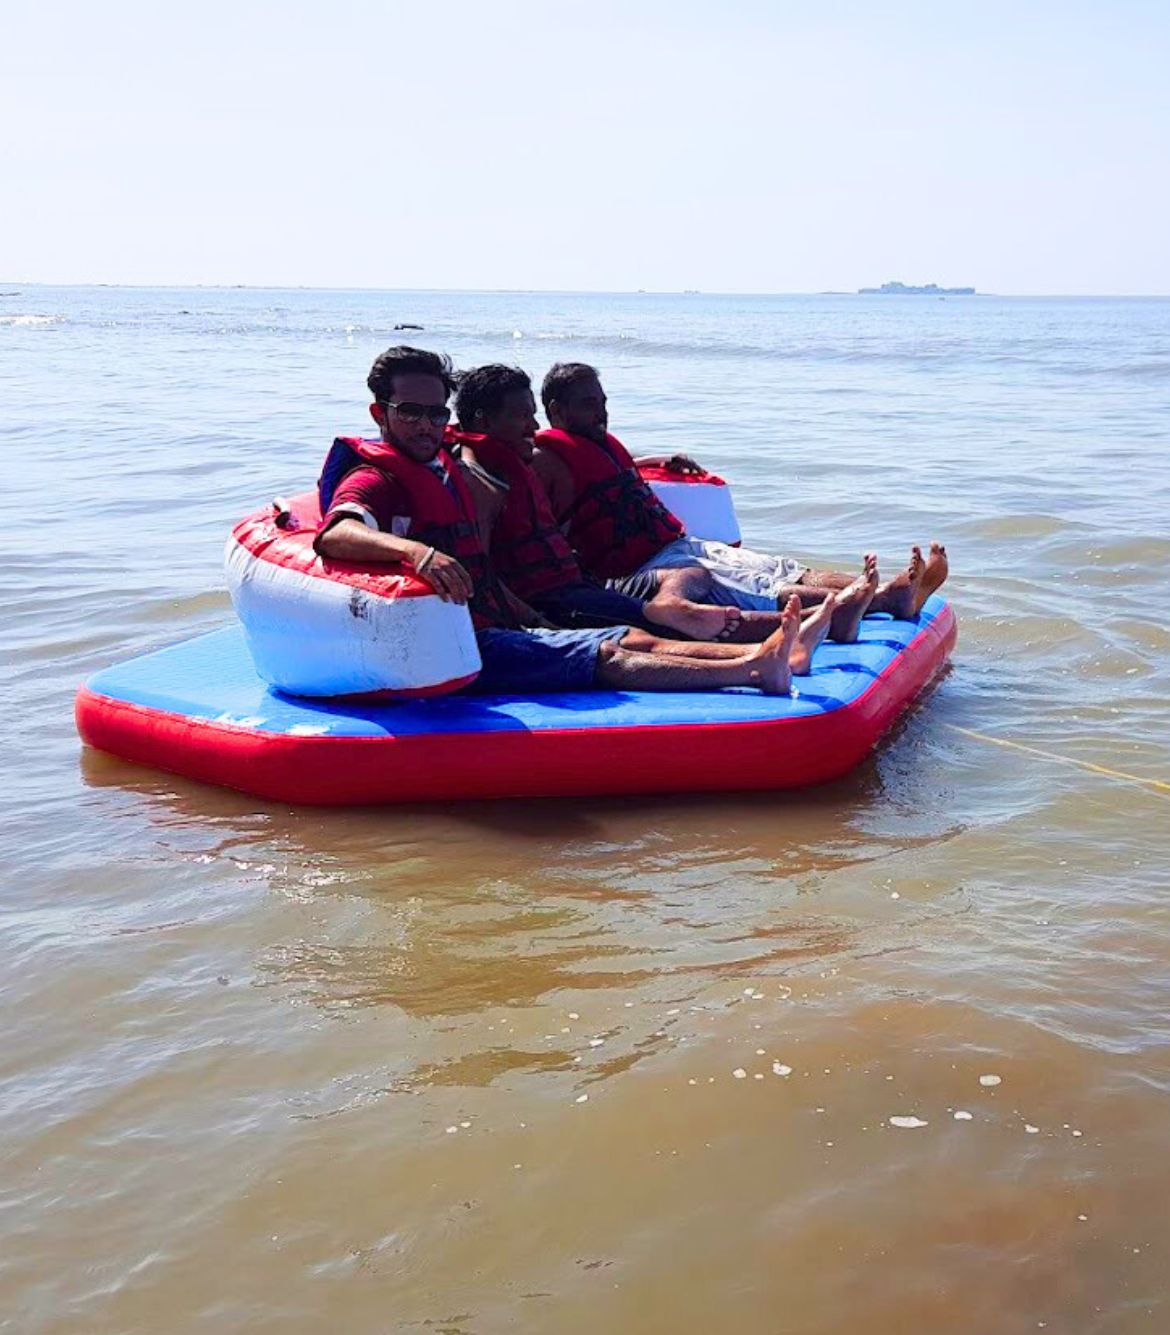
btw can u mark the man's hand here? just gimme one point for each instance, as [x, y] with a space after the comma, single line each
[349, 539]
[445, 575]
[676, 463]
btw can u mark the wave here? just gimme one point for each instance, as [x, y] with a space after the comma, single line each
[717, 349]
[938, 356]
[16, 320]
[1144, 370]
[1045, 357]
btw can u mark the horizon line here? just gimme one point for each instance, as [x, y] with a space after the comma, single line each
[555, 291]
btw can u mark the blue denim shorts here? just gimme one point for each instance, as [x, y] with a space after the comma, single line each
[540, 662]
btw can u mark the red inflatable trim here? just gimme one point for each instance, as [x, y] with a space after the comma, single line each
[348, 771]
[654, 473]
[292, 549]
[403, 692]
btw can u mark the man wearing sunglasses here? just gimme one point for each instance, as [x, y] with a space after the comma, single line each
[402, 499]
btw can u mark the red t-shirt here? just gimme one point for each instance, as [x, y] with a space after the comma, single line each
[376, 499]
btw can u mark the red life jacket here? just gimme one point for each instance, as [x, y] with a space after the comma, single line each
[530, 553]
[441, 516]
[616, 523]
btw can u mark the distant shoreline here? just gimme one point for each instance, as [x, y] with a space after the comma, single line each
[896, 289]
[10, 288]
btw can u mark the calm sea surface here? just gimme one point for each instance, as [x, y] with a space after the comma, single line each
[627, 1065]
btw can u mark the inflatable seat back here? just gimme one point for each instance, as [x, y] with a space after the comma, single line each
[701, 501]
[329, 628]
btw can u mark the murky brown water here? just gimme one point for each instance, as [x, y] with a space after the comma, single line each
[623, 1065]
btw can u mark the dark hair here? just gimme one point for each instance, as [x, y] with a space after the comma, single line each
[483, 390]
[408, 361]
[563, 376]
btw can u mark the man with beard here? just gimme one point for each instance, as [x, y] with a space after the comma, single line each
[618, 527]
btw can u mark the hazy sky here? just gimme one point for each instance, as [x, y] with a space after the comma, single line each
[768, 147]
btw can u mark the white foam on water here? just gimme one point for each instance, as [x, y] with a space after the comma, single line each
[24, 321]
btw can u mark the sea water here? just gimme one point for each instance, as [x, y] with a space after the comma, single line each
[888, 1055]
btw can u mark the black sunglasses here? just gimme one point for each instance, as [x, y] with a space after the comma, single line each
[415, 412]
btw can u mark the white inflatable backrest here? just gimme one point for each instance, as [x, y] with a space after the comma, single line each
[318, 628]
[704, 504]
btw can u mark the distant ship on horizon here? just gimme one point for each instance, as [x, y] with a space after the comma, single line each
[909, 290]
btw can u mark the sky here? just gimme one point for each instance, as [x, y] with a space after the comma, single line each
[534, 144]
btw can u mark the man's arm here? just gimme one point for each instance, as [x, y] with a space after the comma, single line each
[557, 479]
[351, 540]
[487, 498]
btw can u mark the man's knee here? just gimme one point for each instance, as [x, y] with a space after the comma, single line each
[692, 582]
[610, 649]
[608, 662]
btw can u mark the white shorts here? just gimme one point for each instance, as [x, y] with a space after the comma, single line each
[740, 578]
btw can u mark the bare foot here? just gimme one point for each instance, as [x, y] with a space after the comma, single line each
[934, 575]
[701, 621]
[814, 626]
[899, 595]
[770, 661]
[853, 602]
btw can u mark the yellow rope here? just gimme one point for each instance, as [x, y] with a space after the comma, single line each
[1158, 785]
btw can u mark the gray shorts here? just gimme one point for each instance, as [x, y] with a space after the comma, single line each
[740, 578]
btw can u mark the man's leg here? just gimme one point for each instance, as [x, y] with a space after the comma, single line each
[765, 666]
[667, 604]
[758, 582]
[811, 632]
[588, 606]
[839, 612]
[681, 603]
[537, 662]
[902, 597]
